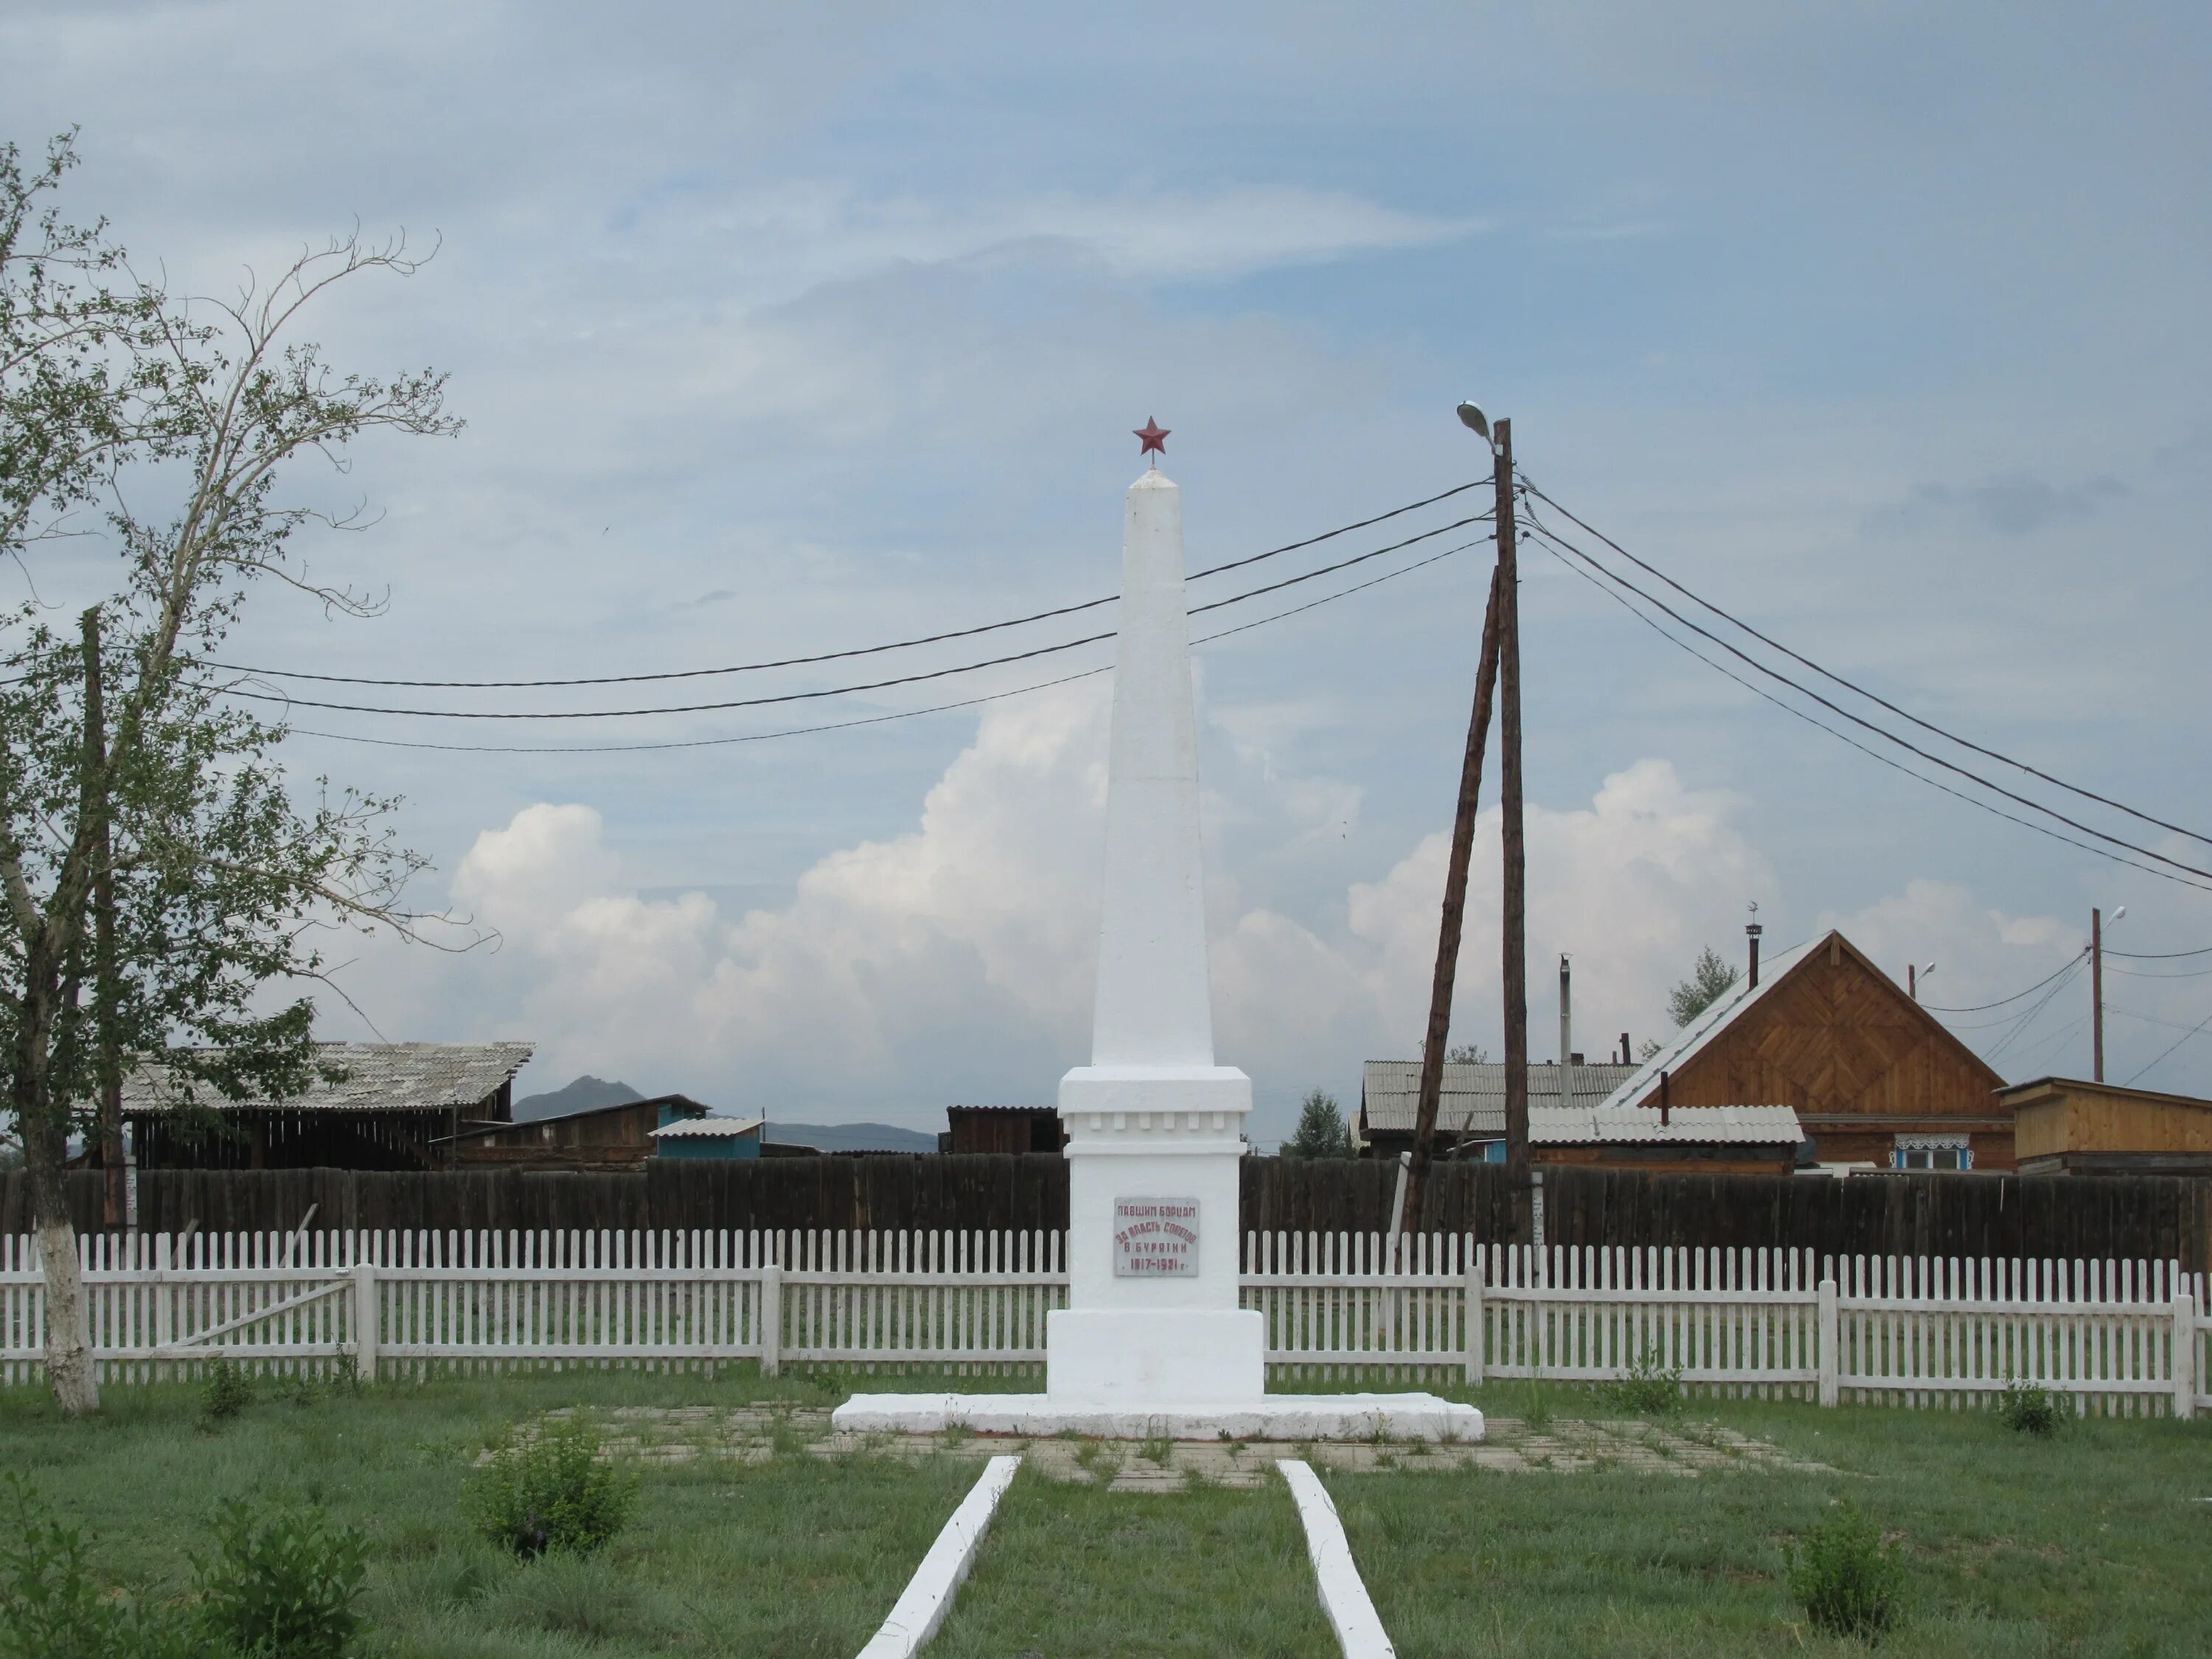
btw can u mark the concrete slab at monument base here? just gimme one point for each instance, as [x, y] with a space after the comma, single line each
[1270, 1417]
[1123, 1357]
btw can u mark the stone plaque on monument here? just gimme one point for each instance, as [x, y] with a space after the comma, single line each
[1155, 1238]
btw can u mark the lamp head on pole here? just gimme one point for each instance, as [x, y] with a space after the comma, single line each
[1472, 417]
[2117, 913]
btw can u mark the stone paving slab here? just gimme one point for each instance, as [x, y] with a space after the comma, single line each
[759, 1434]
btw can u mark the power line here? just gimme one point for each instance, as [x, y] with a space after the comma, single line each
[1544, 539]
[2029, 1018]
[1873, 697]
[837, 656]
[2056, 1039]
[1880, 732]
[830, 691]
[2137, 973]
[2171, 1046]
[872, 720]
[2147, 1019]
[1984, 1007]
[2159, 956]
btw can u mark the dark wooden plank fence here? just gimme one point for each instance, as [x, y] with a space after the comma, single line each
[2069, 1218]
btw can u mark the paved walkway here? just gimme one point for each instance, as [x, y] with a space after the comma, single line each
[757, 1434]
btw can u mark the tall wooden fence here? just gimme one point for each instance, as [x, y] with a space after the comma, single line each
[2104, 1218]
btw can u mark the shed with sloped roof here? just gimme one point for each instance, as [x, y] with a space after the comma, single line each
[371, 1106]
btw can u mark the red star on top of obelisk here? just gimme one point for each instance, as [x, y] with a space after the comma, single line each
[1155, 437]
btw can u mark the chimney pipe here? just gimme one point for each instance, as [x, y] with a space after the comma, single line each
[1567, 1056]
[1624, 1049]
[1751, 931]
[1665, 1106]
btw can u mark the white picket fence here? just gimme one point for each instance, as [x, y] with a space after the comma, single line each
[2124, 1337]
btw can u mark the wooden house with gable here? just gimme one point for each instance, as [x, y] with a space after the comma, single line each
[1873, 1077]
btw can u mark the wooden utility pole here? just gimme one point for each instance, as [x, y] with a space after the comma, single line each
[115, 1208]
[1517, 853]
[2097, 995]
[1447, 936]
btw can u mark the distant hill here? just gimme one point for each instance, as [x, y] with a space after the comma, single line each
[581, 1096]
[851, 1137]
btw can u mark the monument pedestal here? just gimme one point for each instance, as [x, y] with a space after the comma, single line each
[1154, 1342]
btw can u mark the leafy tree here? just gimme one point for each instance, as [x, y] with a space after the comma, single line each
[1467, 1053]
[1709, 977]
[158, 872]
[1321, 1131]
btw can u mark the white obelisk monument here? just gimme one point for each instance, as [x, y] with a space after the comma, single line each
[1153, 1340]
[1155, 1129]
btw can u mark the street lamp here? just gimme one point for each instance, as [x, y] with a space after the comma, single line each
[1472, 417]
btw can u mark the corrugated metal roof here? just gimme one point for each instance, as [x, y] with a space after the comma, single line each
[1746, 1126]
[1684, 1046]
[1474, 1096]
[708, 1128]
[380, 1076]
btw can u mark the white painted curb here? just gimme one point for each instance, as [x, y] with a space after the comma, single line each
[1343, 1594]
[928, 1594]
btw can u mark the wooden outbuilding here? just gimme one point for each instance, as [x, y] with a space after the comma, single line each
[619, 1136]
[377, 1106]
[2065, 1126]
[1002, 1129]
[1873, 1077]
[1471, 1104]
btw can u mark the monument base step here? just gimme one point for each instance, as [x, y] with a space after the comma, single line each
[1271, 1417]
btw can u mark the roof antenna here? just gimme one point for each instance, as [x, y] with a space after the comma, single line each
[1751, 931]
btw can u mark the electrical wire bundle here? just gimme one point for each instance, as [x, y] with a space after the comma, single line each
[270, 685]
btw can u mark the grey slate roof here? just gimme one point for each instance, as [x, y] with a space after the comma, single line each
[1474, 1097]
[380, 1077]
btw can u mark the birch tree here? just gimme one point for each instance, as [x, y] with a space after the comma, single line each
[155, 437]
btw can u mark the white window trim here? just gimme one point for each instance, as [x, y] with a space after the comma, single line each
[1957, 1141]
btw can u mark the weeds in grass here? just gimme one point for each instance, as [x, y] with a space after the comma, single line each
[1649, 1388]
[1157, 1447]
[1098, 1459]
[551, 1491]
[959, 1433]
[1847, 1583]
[283, 1584]
[2030, 1409]
[225, 1391]
[783, 1439]
[1538, 1417]
[51, 1607]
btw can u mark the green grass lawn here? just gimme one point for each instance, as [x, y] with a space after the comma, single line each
[2091, 1544]
[2096, 1542]
[1078, 1570]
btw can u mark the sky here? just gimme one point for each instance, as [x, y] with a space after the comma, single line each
[780, 329]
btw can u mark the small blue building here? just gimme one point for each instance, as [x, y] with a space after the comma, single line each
[708, 1137]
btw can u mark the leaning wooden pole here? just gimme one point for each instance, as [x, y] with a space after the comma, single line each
[1515, 928]
[1447, 936]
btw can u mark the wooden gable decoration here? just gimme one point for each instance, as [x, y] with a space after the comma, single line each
[1835, 1036]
